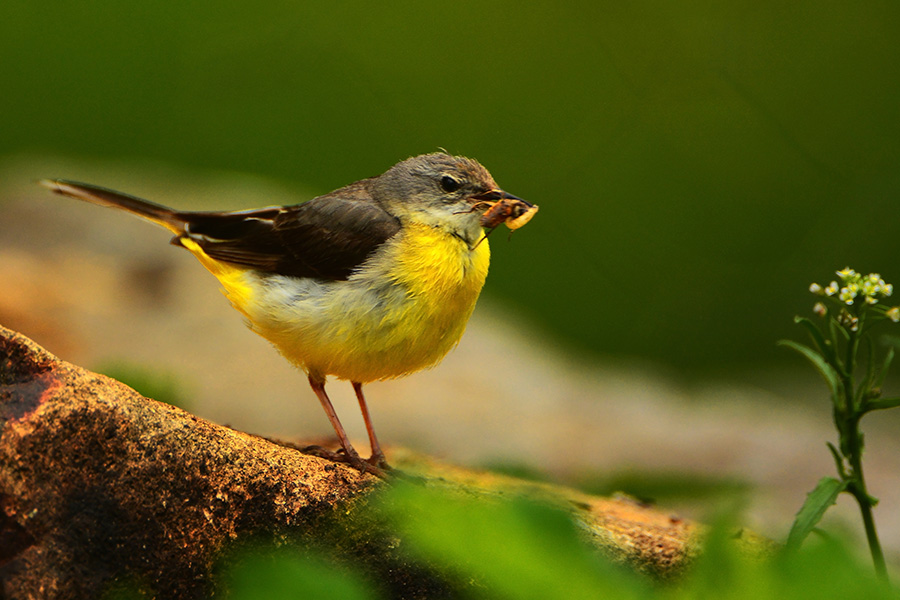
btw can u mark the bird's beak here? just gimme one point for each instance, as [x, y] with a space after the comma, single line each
[492, 196]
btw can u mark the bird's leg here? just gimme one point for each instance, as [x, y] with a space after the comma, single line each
[377, 457]
[351, 456]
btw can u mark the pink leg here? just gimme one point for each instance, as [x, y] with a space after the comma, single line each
[352, 456]
[377, 457]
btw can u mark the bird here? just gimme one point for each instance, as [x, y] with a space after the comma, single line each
[373, 281]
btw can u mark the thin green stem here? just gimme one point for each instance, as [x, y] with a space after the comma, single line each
[865, 508]
[852, 349]
[858, 489]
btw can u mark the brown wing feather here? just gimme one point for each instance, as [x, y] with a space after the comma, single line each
[325, 238]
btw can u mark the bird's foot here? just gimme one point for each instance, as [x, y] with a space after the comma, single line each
[378, 460]
[378, 470]
[376, 466]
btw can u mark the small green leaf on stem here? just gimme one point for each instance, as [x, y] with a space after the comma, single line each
[825, 348]
[881, 404]
[838, 460]
[836, 327]
[817, 502]
[826, 370]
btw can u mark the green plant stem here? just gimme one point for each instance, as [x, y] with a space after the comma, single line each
[850, 364]
[857, 487]
[865, 507]
[847, 420]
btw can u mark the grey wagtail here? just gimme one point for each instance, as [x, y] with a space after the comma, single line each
[373, 281]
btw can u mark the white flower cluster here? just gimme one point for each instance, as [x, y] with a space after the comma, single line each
[855, 286]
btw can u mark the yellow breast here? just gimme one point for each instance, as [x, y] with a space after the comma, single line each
[440, 271]
[401, 311]
[406, 309]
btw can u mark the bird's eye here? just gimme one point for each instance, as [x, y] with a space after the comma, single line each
[448, 184]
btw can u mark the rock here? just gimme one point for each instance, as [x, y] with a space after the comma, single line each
[99, 485]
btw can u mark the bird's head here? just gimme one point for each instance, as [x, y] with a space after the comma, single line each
[448, 192]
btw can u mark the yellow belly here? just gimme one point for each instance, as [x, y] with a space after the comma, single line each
[402, 311]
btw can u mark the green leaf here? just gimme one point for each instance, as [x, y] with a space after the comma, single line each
[882, 404]
[817, 502]
[514, 549]
[825, 348]
[826, 370]
[838, 460]
[837, 328]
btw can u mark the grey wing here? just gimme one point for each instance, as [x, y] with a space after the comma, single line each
[325, 238]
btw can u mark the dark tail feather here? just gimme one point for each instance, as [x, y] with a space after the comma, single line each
[157, 213]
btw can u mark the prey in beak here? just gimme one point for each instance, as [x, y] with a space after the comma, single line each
[503, 207]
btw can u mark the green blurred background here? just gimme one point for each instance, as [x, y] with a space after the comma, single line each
[697, 164]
